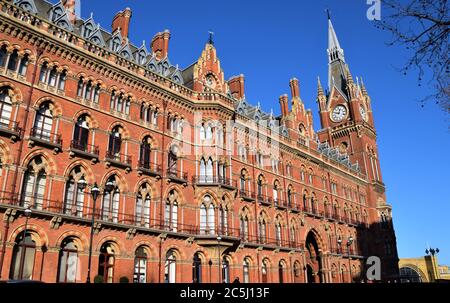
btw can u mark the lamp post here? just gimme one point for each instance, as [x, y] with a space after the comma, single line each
[95, 191]
[432, 251]
[220, 259]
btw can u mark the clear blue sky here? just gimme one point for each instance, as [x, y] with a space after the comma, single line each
[272, 41]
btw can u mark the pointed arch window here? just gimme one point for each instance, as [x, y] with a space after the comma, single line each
[244, 227]
[24, 62]
[80, 87]
[44, 122]
[13, 60]
[246, 271]
[207, 216]
[170, 268]
[52, 76]
[262, 231]
[264, 271]
[62, 80]
[281, 272]
[106, 263]
[143, 200]
[3, 55]
[74, 197]
[145, 153]
[23, 258]
[223, 219]
[197, 269]
[171, 212]
[260, 187]
[173, 160]
[140, 266]
[5, 107]
[278, 233]
[225, 270]
[111, 198]
[68, 262]
[34, 184]
[81, 133]
[115, 142]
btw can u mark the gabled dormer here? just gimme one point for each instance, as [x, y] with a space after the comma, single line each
[125, 52]
[164, 67]
[88, 28]
[152, 64]
[26, 5]
[97, 37]
[115, 42]
[56, 12]
[141, 54]
[177, 76]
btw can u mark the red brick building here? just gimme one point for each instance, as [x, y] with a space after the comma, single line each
[195, 183]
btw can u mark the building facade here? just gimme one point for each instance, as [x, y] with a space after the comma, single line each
[195, 184]
[424, 269]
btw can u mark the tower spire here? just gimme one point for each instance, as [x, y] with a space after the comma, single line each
[336, 60]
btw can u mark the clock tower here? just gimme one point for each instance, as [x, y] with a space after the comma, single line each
[347, 123]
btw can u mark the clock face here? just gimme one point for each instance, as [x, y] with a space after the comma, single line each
[363, 113]
[210, 81]
[339, 113]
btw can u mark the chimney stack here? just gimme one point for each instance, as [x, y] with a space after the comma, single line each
[70, 6]
[160, 44]
[284, 105]
[295, 88]
[122, 22]
[236, 85]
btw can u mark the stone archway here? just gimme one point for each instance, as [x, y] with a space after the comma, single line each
[313, 259]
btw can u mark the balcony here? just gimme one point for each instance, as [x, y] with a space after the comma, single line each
[11, 130]
[177, 176]
[150, 169]
[44, 138]
[84, 150]
[263, 200]
[118, 160]
[293, 207]
[247, 195]
[280, 204]
[214, 181]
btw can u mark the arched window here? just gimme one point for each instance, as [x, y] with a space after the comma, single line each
[145, 154]
[52, 76]
[223, 220]
[209, 171]
[207, 220]
[68, 262]
[115, 142]
[289, 197]
[203, 170]
[13, 59]
[170, 267]
[197, 269]
[81, 134]
[313, 203]
[3, 55]
[246, 270]
[264, 271]
[171, 211]
[88, 29]
[106, 263]
[62, 80]
[24, 252]
[260, 186]
[80, 87]
[44, 122]
[225, 270]
[140, 266]
[111, 198]
[275, 193]
[243, 181]
[34, 182]
[278, 233]
[74, 198]
[43, 73]
[262, 230]
[244, 227]
[173, 160]
[88, 90]
[96, 94]
[297, 272]
[24, 65]
[281, 272]
[202, 132]
[305, 202]
[209, 132]
[143, 200]
[5, 107]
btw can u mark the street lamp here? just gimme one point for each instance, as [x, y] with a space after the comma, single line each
[95, 191]
[219, 259]
[432, 251]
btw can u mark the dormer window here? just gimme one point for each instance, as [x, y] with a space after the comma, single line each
[88, 29]
[57, 13]
[115, 45]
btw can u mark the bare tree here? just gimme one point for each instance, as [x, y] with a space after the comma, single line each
[423, 26]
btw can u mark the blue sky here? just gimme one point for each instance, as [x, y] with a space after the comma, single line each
[272, 41]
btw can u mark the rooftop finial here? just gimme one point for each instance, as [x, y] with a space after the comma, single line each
[328, 14]
[210, 40]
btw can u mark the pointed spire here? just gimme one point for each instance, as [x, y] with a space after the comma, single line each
[349, 77]
[335, 51]
[210, 40]
[319, 87]
[363, 88]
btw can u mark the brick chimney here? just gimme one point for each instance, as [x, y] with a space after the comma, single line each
[236, 85]
[160, 44]
[70, 6]
[295, 88]
[284, 105]
[122, 22]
